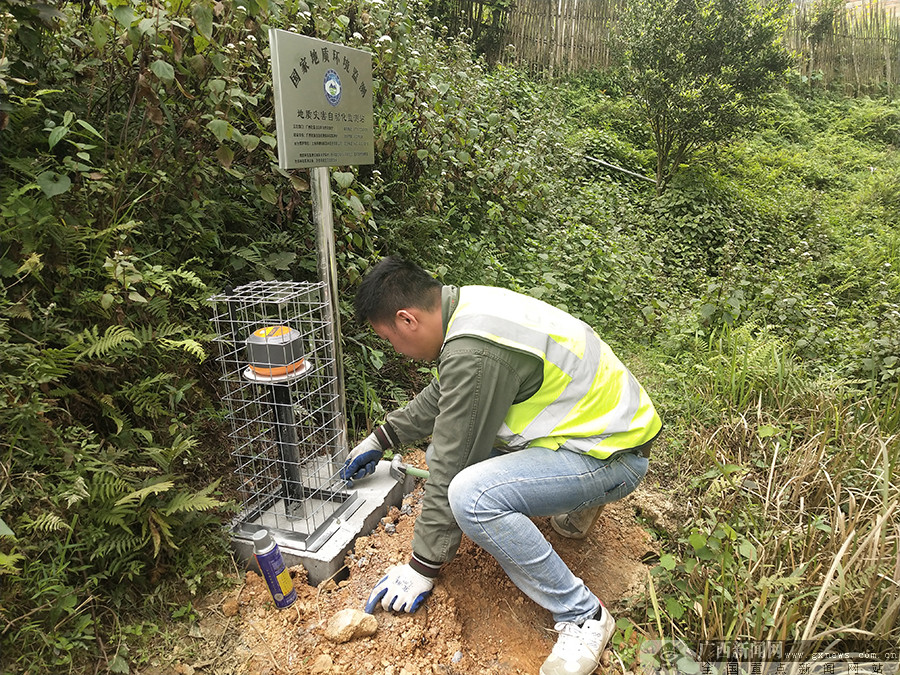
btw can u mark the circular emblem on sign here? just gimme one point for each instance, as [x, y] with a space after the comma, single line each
[332, 87]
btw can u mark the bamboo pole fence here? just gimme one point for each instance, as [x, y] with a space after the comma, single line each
[856, 47]
[557, 37]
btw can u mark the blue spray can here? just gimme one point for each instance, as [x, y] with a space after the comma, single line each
[271, 565]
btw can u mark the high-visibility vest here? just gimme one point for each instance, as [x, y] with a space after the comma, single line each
[588, 400]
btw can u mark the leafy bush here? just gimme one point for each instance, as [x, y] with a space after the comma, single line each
[132, 183]
[700, 71]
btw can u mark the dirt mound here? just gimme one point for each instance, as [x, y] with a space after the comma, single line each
[475, 622]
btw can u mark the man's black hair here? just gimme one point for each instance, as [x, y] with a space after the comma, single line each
[391, 285]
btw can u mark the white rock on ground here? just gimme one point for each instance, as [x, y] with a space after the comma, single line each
[349, 624]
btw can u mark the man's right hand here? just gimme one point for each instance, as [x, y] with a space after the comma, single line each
[362, 459]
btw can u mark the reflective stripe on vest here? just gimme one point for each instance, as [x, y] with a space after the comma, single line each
[588, 400]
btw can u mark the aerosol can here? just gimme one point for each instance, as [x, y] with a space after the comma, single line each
[271, 564]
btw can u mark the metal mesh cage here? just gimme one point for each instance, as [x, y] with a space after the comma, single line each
[285, 404]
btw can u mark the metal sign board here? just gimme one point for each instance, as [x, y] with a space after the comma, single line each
[323, 102]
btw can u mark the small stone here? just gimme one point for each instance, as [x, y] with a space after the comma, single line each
[390, 528]
[349, 624]
[457, 657]
[230, 607]
[328, 586]
[322, 665]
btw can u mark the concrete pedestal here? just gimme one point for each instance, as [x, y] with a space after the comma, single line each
[376, 493]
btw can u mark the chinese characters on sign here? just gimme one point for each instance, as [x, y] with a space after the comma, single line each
[323, 102]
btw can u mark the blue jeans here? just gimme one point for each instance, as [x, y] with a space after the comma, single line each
[493, 503]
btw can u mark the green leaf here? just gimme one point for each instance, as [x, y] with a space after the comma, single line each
[225, 155]
[667, 561]
[697, 540]
[5, 531]
[53, 183]
[344, 178]
[674, 608]
[219, 129]
[163, 70]
[124, 14]
[203, 19]
[138, 496]
[57, 135]
[747, 550]
[117, 664]
[357, 205]
[90, 128]
[249, 142]
[267, 193]
[376, 358]
[106, 300]
[147, 26]
[100, 33]
[9, 563]
[281, 261]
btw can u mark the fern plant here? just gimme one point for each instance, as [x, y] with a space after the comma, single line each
[746, 363]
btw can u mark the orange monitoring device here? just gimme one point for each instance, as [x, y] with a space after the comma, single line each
[275, 352]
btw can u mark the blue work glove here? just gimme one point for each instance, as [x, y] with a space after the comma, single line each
[362, 459]
[400, 589]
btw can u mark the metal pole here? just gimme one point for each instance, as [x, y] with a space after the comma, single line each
[288, 451]
[320, 187]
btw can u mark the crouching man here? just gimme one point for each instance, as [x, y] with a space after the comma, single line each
[531, 415]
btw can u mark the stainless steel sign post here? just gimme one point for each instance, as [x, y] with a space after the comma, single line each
[323, 118]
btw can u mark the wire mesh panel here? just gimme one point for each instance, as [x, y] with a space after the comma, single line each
[284, 401]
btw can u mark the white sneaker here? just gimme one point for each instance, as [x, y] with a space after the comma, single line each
[578, 649]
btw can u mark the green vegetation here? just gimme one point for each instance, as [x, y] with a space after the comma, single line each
[700, 70]
[758, 297]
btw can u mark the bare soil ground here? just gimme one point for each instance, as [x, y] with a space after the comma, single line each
[475, 622]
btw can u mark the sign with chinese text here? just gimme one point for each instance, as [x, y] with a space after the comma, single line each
[323, 102]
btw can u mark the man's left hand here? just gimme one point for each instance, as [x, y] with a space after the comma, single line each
[400, 589]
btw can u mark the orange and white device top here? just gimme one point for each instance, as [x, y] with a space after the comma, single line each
[275, 353]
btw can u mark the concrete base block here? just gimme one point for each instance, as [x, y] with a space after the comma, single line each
[377, 494]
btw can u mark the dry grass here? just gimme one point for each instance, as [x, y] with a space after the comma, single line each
[797, 535]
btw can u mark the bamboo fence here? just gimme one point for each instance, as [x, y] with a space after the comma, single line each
[557, 37]
[484, 21]
[857, 47]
